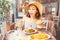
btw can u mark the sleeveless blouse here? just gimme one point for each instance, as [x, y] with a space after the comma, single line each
[27, 23]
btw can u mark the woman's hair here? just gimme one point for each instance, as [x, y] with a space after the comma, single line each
[37, 15]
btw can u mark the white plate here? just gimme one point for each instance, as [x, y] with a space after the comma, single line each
[28, 32]
[45, 38]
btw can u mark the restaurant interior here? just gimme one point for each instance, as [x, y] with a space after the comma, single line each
[12, 12]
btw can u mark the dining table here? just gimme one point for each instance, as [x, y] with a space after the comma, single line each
[21, 35]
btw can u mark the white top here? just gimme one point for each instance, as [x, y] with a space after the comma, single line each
[27, 23]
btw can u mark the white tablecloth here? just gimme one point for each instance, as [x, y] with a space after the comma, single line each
[19, 35]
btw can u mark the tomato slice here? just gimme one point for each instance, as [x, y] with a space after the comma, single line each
[32, 30]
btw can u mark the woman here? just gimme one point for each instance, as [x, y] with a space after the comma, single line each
[33, 15]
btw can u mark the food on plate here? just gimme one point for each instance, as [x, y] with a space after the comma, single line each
[30, 30]
[40, 23]
[38, 39]
[39, 36]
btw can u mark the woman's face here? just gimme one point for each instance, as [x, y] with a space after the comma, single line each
[32, 10]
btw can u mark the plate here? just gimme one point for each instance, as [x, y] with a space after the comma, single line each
[39, 36]
[30, 31]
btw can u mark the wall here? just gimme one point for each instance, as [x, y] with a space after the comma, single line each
[59, 7]
[50, 6]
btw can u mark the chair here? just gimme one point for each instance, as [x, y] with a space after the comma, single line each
[56, 21]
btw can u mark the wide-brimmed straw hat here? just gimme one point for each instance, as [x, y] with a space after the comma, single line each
[37, 4]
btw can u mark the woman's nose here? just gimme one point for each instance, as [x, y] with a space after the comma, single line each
[31, 10]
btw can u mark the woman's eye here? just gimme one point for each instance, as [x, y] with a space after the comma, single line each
[29, 9]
